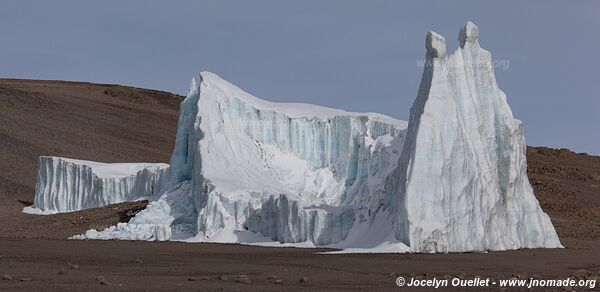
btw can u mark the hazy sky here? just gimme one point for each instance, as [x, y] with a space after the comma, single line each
[354, 55]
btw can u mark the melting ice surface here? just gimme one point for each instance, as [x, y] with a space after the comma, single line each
[250, 171]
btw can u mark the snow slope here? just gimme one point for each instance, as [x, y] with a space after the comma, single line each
[251, 171]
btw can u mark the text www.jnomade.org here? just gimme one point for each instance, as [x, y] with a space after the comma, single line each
[487, 282]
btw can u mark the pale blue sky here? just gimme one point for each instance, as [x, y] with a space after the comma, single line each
[354, 55]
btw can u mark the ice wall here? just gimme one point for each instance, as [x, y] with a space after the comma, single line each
[463, 179]
[291, 173]
[256, 165]
[65, 184]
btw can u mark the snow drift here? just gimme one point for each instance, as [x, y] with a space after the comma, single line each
[251, 171]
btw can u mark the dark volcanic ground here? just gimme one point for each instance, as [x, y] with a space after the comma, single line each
[112, 123]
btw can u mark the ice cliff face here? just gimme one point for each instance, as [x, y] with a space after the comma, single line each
[256, 170]
[292, 173]
[251, 171]
[463, 178]
[65, 185]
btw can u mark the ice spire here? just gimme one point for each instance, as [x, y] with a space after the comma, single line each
[469, 33]
[463, 178]
[435, 44]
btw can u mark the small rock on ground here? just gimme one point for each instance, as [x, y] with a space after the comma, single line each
[101, 280]
[244, 280]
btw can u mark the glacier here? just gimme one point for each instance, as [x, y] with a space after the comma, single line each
[245, 170]
[65, 184]
[464, 163]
